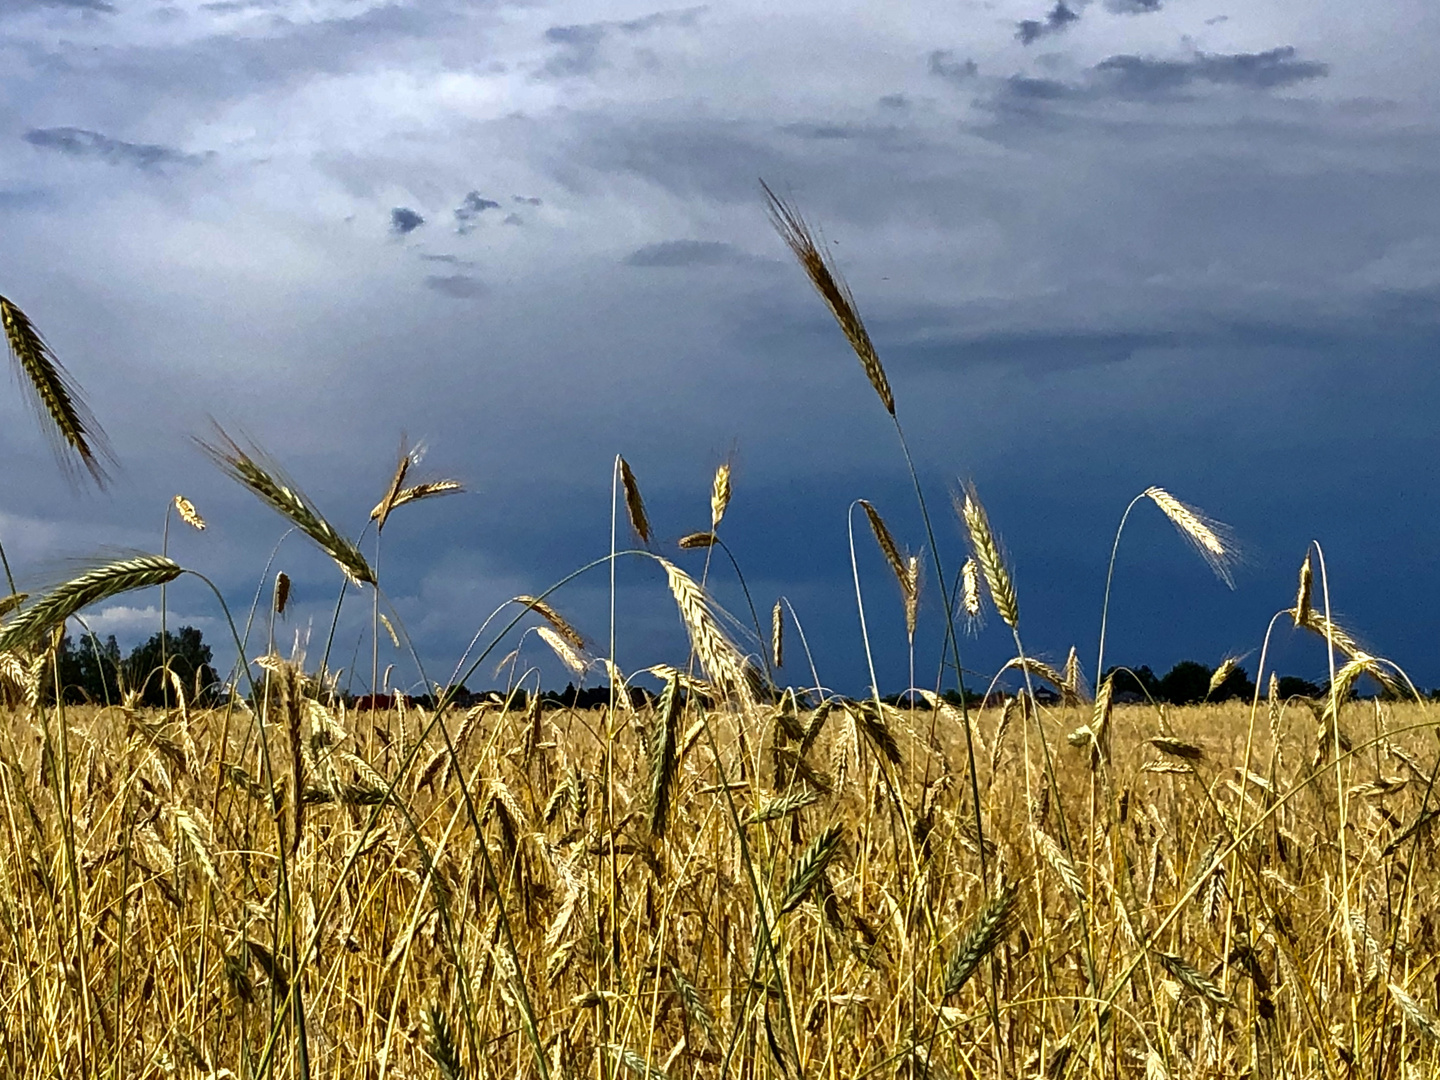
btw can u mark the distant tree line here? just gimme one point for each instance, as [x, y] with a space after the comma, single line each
[94, 672]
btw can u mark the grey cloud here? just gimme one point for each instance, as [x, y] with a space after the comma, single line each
[513, 219]
[669, 253]
[403, 220]
[894, 101]
[579, 43]
[75, 5]
[79, 142]
[527, 200]
[1132, 7]
[1058, 18]
[456, 286]
[945, 64]
[449, 260]
[470, 208]
[1140, 76]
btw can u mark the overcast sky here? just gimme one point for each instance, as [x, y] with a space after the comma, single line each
[1099, 246]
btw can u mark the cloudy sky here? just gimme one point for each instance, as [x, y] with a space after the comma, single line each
[1103, 245]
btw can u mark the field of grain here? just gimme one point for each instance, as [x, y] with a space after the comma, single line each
[775, 892]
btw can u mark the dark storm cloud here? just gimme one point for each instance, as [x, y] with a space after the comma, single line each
[79, 142]
[1056, 20]
[893, 101]
[526, 200]
[945, 64]
[403, 220]
[685, 253]
[456, 286]
[1140, 76]
[75, 5]
[1132, 7]
[470, 209]
[578, 44]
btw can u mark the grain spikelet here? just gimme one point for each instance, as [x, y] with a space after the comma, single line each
[439, 1042]
[877, 730]
[697, 540]
[1162, 766]
[1273, 715]
[282, 592]
[428, 490]
[389, 630]
[634, 1062]
[832, 289]
[688, 683]
[987, 553]
[810, 866]
[911, 588]
[381, 513]
[782, 806]
[1054, 854]
[970, 591]
[1381, 786]
[694, 1003]
[719, 495]
[1224, 671]
[246, 468]
[188, 514]
[1328, 629]
[1415, 1013]
[31, 625]
[12, 602]
[1177, 747]
[996, 919]
[777, 635]
[1301, 610]
[664, 759]
[1013, 707]
[563, 650]
[1188, 976]
[888, 547]
[634, 504]
[1155, 1066]
[1041, 670]
[555, 619]
[1074, 677]
[55, 396]
[196, 831]
[1211, 539]
[721, 660]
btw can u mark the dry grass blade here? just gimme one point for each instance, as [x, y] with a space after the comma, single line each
[719, 495]
[1302, 595]
[55, 396]
[555, 619]
[664, 758]
[246, 468]
[282, 592]
[697, 540]
[634, 504]
[722, 662]
[987, 553]
[777, 635]
[810, 866]
[28, 627]
[1177, 747]
[1210, 538]
[832, 289]
[988, 930]
[188, 514]
[416, 492]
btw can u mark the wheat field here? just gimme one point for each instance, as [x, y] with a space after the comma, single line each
[773, 892]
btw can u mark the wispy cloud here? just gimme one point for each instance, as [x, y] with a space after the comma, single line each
[1143, 75]
[83, 143]
[1057, 19]
[685, 253]
[470, 209]
[456, 286]
[578, 44]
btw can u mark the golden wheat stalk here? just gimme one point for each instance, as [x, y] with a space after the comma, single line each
[49, 612]
[832, 289]
[269, 486]
[55, 396]
[188, 514]
[719, 495]
[721, 660]
[416, 492]
[987, 553]
[634, 504]
[1210, 538]
[555, 619]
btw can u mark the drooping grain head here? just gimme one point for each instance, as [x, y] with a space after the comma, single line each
[1302, 595]
[282, 592]
[188, 514]
[899, 564]
[381, 513]
[30, 626]
[1210, 538]
[56, 398]
[832, 289]
[634, 504]
[722, 661]
[1224, 671]
[555, 619]
[563, 650]
[416, 492]
[697, 540]
[719, 495]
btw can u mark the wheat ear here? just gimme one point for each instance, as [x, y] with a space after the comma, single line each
[188, 514]
[55, 396]
[1210, 538]
[987, 554]
[777, 635]
[31, 625]
[810, 866]
[1224, 671]
[697, 540]
[634, 504]
[719, 495]
[664, 758]
[381, 513]
[415, 493]
[282, 592]
[269, 486]
[995, 921]
[832, 289]
[720, 659]
[1302, 594]
[555, 619]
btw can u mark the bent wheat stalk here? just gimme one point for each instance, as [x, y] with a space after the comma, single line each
[29, 626]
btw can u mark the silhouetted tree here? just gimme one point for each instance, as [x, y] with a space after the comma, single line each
[89, 671]
[187, 655]
[1186, 683]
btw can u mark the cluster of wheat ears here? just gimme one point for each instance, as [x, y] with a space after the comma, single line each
[749, 877]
